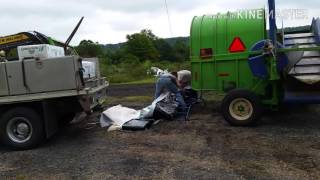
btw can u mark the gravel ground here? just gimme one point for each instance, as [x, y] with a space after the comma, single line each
[284, 145]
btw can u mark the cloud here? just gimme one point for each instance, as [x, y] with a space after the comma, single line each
[109, 21]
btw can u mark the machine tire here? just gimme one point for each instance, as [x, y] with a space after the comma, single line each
[241, 108]
[22, 128]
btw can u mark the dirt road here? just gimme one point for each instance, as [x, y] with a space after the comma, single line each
[284, 145]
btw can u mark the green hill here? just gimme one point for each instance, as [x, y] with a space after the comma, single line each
[185, 40]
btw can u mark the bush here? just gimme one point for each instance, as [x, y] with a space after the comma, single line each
[133, 70]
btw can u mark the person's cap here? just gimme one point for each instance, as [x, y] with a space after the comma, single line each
[2, 53]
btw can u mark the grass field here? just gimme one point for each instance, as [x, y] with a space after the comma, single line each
[143, 81]
[137, 73]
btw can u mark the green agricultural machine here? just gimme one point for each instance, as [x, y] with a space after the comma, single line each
[234, 54]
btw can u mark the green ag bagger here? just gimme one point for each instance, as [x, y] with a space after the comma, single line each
[234, 54]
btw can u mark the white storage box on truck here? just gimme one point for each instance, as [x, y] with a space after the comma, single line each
[40, 51]
[89, 69]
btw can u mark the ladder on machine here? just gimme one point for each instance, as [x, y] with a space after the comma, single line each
[306, 68]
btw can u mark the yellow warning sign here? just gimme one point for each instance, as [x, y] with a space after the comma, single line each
[13, 38]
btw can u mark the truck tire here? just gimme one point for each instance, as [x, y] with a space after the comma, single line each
[241, 108]
[22, 128]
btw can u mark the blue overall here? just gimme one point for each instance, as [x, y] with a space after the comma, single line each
[166, 83]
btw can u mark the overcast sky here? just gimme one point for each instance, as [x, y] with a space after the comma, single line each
[109, 21]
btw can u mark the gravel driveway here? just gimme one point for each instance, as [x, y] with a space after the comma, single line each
[284, 145]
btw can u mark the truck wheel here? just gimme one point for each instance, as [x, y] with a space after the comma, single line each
[22, 128]
[241, 108]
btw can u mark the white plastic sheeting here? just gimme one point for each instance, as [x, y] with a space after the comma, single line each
[183, 75]
[157, 72]
[115, 117]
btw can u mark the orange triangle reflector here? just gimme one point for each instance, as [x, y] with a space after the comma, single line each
[237, 46]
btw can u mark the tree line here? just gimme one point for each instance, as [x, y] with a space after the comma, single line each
[139, 47]
[131, 60]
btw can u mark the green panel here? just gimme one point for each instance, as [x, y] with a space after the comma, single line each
[224, 68]
[208, 76]
[194, 37]
[221, 36]
[196, 75]
[249, 30]
[245, 79]
[226, 74]
[207, 39]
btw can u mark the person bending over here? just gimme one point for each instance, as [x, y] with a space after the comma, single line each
[169, 83]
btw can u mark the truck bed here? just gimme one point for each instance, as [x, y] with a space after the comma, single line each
[34, 80]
